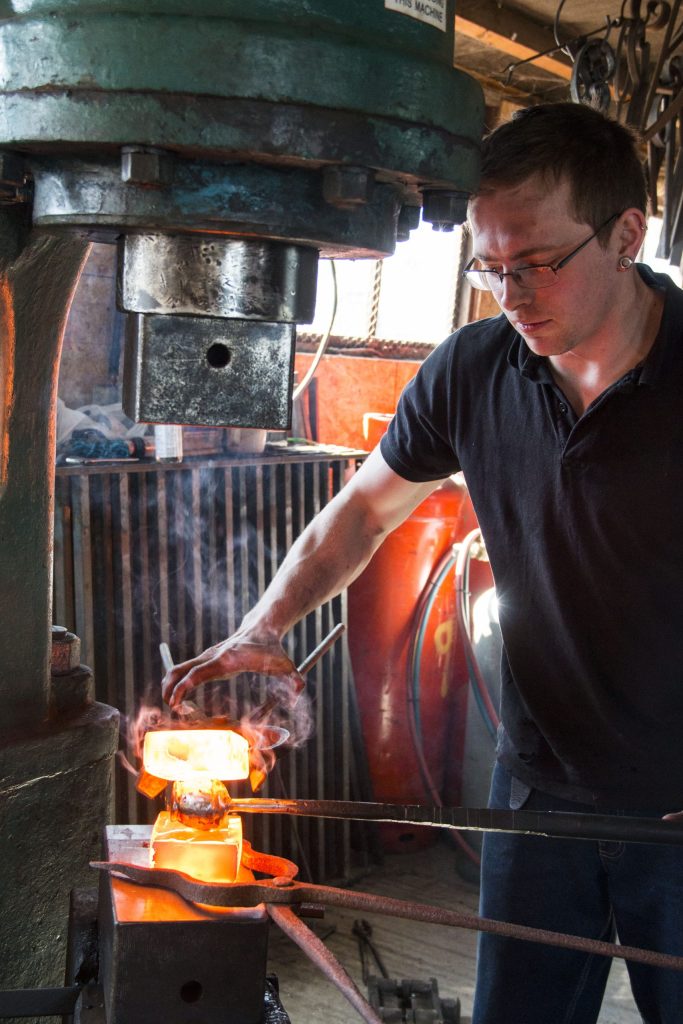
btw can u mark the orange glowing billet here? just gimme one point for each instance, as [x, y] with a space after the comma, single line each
[180, 755]
[212, 856]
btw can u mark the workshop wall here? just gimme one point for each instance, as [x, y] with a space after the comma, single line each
[346, 387]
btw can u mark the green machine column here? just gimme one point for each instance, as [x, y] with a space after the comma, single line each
[305, 83]
[56, 744]
[220, 143]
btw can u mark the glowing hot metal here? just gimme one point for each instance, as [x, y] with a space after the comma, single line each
[198, 835]
[183, 754]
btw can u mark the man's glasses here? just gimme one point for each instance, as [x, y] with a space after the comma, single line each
[542, 275]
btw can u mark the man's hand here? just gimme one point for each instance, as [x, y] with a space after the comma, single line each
[238, 653]
[674, 816]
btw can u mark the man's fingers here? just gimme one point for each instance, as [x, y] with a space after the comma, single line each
[222, 664]
[674, 816]
[184, 678]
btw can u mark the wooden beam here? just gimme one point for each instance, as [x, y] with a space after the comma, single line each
[512, 34]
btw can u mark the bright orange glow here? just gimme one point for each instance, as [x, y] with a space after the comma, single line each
[210, 856]
[184, 754]
[200, 802]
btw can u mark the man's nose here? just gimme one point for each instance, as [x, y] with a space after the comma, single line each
[512, 296]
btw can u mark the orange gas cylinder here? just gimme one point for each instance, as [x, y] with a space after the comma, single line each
[410, 581]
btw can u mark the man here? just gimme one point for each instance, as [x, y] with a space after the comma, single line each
[564, 414]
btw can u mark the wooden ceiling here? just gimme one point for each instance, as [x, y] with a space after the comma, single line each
[493, 36]
[623, 56]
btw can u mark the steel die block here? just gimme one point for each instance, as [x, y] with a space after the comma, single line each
[208, 371]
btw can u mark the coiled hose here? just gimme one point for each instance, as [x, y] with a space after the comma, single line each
[459, 557]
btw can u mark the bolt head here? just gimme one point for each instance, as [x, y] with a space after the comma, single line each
[408, 220]
[443, 210]
[347, 187]
[152, 168]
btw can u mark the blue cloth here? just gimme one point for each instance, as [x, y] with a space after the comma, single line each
[578, 887]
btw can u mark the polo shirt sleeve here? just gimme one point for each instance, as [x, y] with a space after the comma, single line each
[417, 444]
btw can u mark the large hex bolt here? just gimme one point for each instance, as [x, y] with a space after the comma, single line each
[408, 220]
[146, 166]
[347, 187]
[72, 685]
[443, 210]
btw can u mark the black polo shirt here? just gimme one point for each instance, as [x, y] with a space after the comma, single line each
[583, 523]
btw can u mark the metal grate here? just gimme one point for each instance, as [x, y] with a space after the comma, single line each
[146, 553]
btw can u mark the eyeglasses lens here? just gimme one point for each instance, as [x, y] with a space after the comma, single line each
[527, 277]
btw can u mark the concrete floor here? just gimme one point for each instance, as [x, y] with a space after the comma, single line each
[409, 950]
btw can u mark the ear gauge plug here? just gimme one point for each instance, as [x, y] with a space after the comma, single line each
[625, 263]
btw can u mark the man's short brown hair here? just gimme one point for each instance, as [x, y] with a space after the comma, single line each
[567, 141]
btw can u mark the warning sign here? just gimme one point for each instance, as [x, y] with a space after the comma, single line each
[431, 11]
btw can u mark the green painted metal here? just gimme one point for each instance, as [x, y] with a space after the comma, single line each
[56, 796]
[184, 76]
[220, 128]
[56, 772]
[226, 58]
[282, 204]
[350, 18]
[37, 278]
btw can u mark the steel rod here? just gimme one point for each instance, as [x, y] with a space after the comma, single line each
[426, 914]
[552, 824]
[309, 661]
[166, 659]
[286, 892]
[295, 929]
[322, 648]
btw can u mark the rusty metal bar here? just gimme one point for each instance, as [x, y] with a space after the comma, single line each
[284, 891]
[426, 914]
[551, 824]
[295, 929]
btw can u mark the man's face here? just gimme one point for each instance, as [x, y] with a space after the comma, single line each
[532, 223]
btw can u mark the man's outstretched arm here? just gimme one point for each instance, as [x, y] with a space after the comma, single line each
[333, 549]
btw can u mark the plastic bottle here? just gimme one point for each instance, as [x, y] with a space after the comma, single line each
[168, 440]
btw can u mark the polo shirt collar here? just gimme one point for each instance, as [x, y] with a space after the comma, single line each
[666, 355]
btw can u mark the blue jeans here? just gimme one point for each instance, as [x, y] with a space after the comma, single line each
[579, 887]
